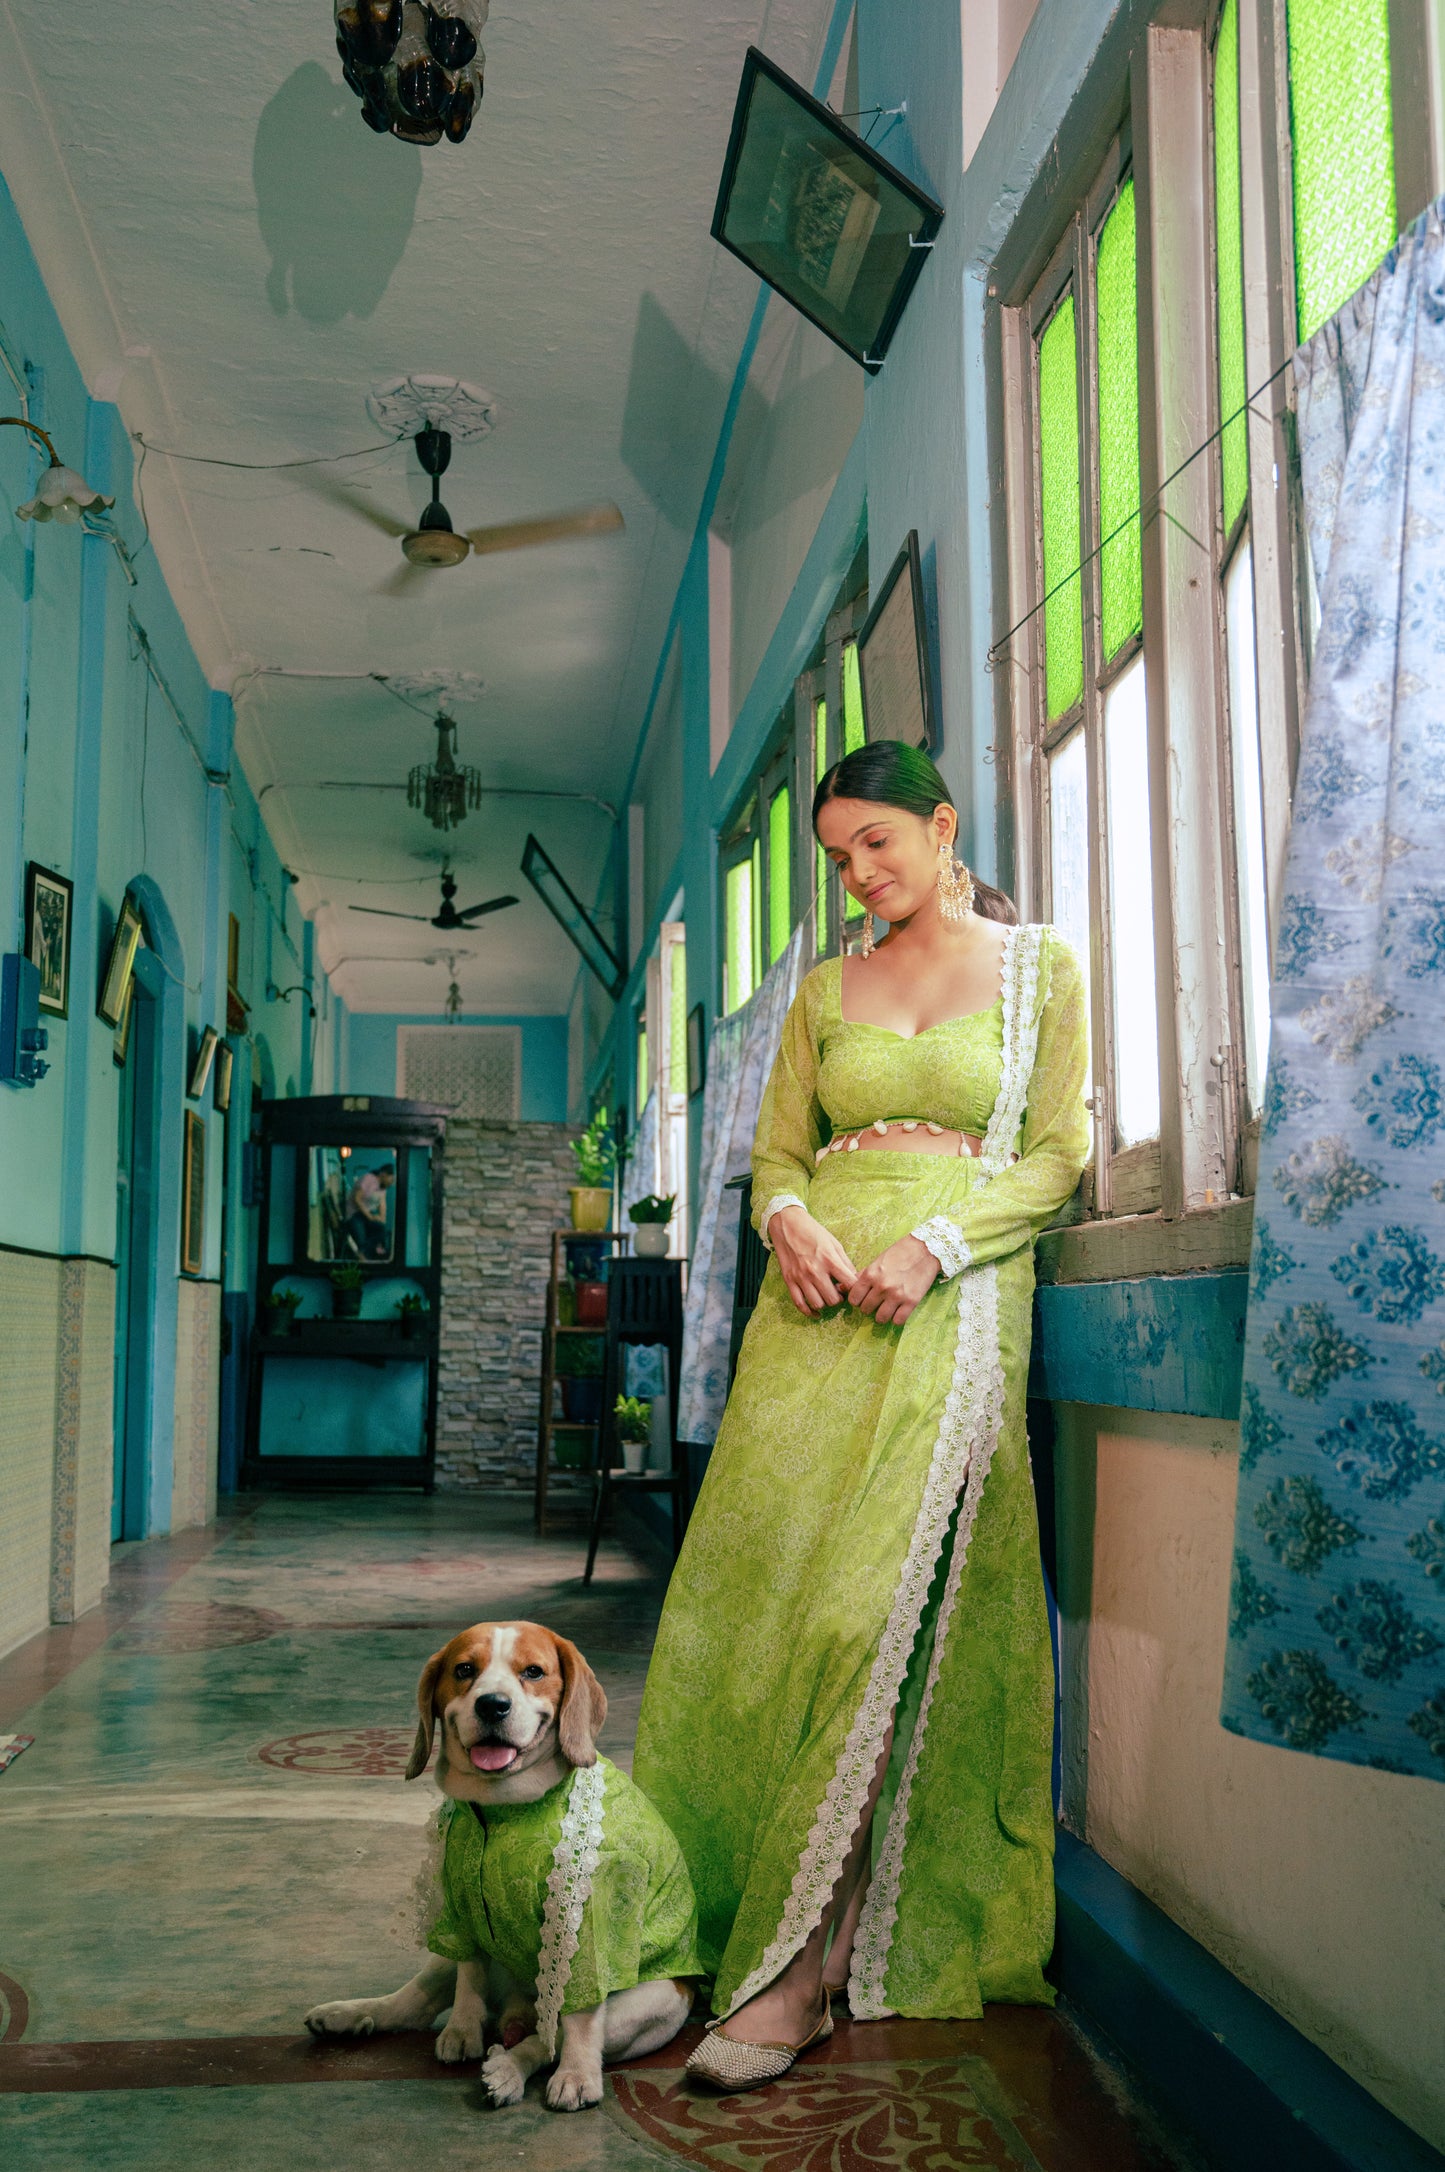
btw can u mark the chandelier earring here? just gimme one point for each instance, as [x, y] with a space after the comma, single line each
[955, 887]
[865, 948]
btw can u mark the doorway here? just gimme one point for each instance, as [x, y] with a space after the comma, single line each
[135, 1218]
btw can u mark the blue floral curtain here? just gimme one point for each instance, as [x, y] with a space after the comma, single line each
[739, 1057]
[1337, 1631]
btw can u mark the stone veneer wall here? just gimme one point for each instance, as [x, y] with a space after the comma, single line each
[506, 1191]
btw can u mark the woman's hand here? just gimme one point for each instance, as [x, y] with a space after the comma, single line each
[897, 1281]
[815, 1267]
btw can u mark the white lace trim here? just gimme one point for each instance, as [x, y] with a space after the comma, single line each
[429, 1887]
[774, 1206]
[1021, 1010]
[569, 1888]
[975, 1358]
[945, 1240]
[977, 1336]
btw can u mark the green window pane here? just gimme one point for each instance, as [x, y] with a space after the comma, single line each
[738, 913]
[852, 699]
[755, 900]
[1059, 492]
[780, 872]
[677, 1020]
[1229, 263]
[641, 1066]
[1342, 131]
[1121, 573]
[820, 879]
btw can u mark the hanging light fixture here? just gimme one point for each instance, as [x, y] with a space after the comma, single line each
[64, 494]
[446, 788]
[416, 65]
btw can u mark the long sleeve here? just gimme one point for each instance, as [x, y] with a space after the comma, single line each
[998, 1215]
[791, 1123]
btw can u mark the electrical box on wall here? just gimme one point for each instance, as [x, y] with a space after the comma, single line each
[22, 1037]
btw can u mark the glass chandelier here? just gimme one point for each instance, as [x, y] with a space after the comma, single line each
[416, 65]
[446, 788]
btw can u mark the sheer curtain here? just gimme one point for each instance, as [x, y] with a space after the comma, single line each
[739, 1057]
[1337, 1626]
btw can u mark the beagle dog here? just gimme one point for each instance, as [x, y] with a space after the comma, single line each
[517, 1710]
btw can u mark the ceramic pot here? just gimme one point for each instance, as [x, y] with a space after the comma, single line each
[634, 1457]
[591, 1300]
[649, 1240]
[345, 1304]
[591, 1205]
[569, 1451]
[410, 1324]
[281, 1319]
[582, 1401]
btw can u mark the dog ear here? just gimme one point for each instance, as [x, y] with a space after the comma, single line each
[426, 1706]
[583, 1707]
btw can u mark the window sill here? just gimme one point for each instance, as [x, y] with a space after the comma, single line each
[1131, 1245]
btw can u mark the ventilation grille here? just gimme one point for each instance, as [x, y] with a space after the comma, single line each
[471, 1070]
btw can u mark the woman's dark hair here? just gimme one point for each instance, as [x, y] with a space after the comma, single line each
[891, 774]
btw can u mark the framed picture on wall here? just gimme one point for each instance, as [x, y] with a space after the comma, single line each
[193, 1196]
[120, 1046]
[221, 1096]
[121, 962]
[894, 667]
[201, 1068]
[696, 1050]
[47, 935]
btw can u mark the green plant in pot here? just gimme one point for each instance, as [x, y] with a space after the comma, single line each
[347, 1280]
[410, 1312]
[649, 1218]
[591, 1195]
[283, 1306]
[579, 1368]
[633, 1418]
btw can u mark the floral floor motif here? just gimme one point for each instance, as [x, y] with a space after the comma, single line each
[14, 2010]
[863, 2118]
[373, 1752]
[189, 1625]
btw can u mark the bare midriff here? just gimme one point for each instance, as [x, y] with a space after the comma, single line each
[903, 1135]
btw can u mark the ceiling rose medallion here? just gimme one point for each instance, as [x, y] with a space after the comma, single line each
[416, 65]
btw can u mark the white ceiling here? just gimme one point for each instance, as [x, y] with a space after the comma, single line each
[237, 259]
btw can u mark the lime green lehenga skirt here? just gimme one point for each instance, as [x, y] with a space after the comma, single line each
[865, 1549]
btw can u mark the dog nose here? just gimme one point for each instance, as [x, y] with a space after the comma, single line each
[493, 1707]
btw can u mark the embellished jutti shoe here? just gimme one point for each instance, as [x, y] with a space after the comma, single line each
[728, 2063]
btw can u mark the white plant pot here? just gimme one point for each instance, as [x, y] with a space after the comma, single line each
[634, 1457]
[649, 1240]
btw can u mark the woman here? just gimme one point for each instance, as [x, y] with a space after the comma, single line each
[853, 1672]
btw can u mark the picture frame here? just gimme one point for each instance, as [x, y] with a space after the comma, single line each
[48, 901]
[120, 1044]
[696, 1050]
[819, 215]
[895, 667]
[201, 1068]
[193, 1196]
[120, 962]
[221, 1091]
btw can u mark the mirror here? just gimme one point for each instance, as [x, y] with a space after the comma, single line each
[351, 1195]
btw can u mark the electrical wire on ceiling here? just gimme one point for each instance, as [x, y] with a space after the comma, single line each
[260, 467]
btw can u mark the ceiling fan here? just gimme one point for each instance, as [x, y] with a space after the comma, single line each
[448, 919]
[434, 542]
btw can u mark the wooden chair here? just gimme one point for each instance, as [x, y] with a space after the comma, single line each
[644, 1306]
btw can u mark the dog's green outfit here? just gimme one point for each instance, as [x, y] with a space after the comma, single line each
[581, 1893]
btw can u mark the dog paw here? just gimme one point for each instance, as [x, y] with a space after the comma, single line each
[502, 2078]
[341, 2017]
[571, 2090]
[457, 2043]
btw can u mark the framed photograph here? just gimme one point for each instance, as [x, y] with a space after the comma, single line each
[121, 962]
[193, 1196]
[120, 1045]
[201, 1068]
[47, 935]
[827, 222]
[221, 1094]
[696, 1050]
[899, 700]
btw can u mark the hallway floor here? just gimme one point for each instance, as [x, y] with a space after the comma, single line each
[211, 1833]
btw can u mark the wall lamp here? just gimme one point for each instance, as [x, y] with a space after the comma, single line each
[64, 494]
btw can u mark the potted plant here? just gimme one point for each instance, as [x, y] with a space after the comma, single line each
[409, 1312]
[283, 1306]
[346, 1284]
[634, 1430]
[582, 1379]
[649, 1218]
[591, 1195]
[570, 1451]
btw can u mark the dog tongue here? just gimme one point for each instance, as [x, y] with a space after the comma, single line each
[493, 1756]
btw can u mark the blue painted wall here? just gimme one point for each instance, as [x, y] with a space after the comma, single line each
[368, 1060]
